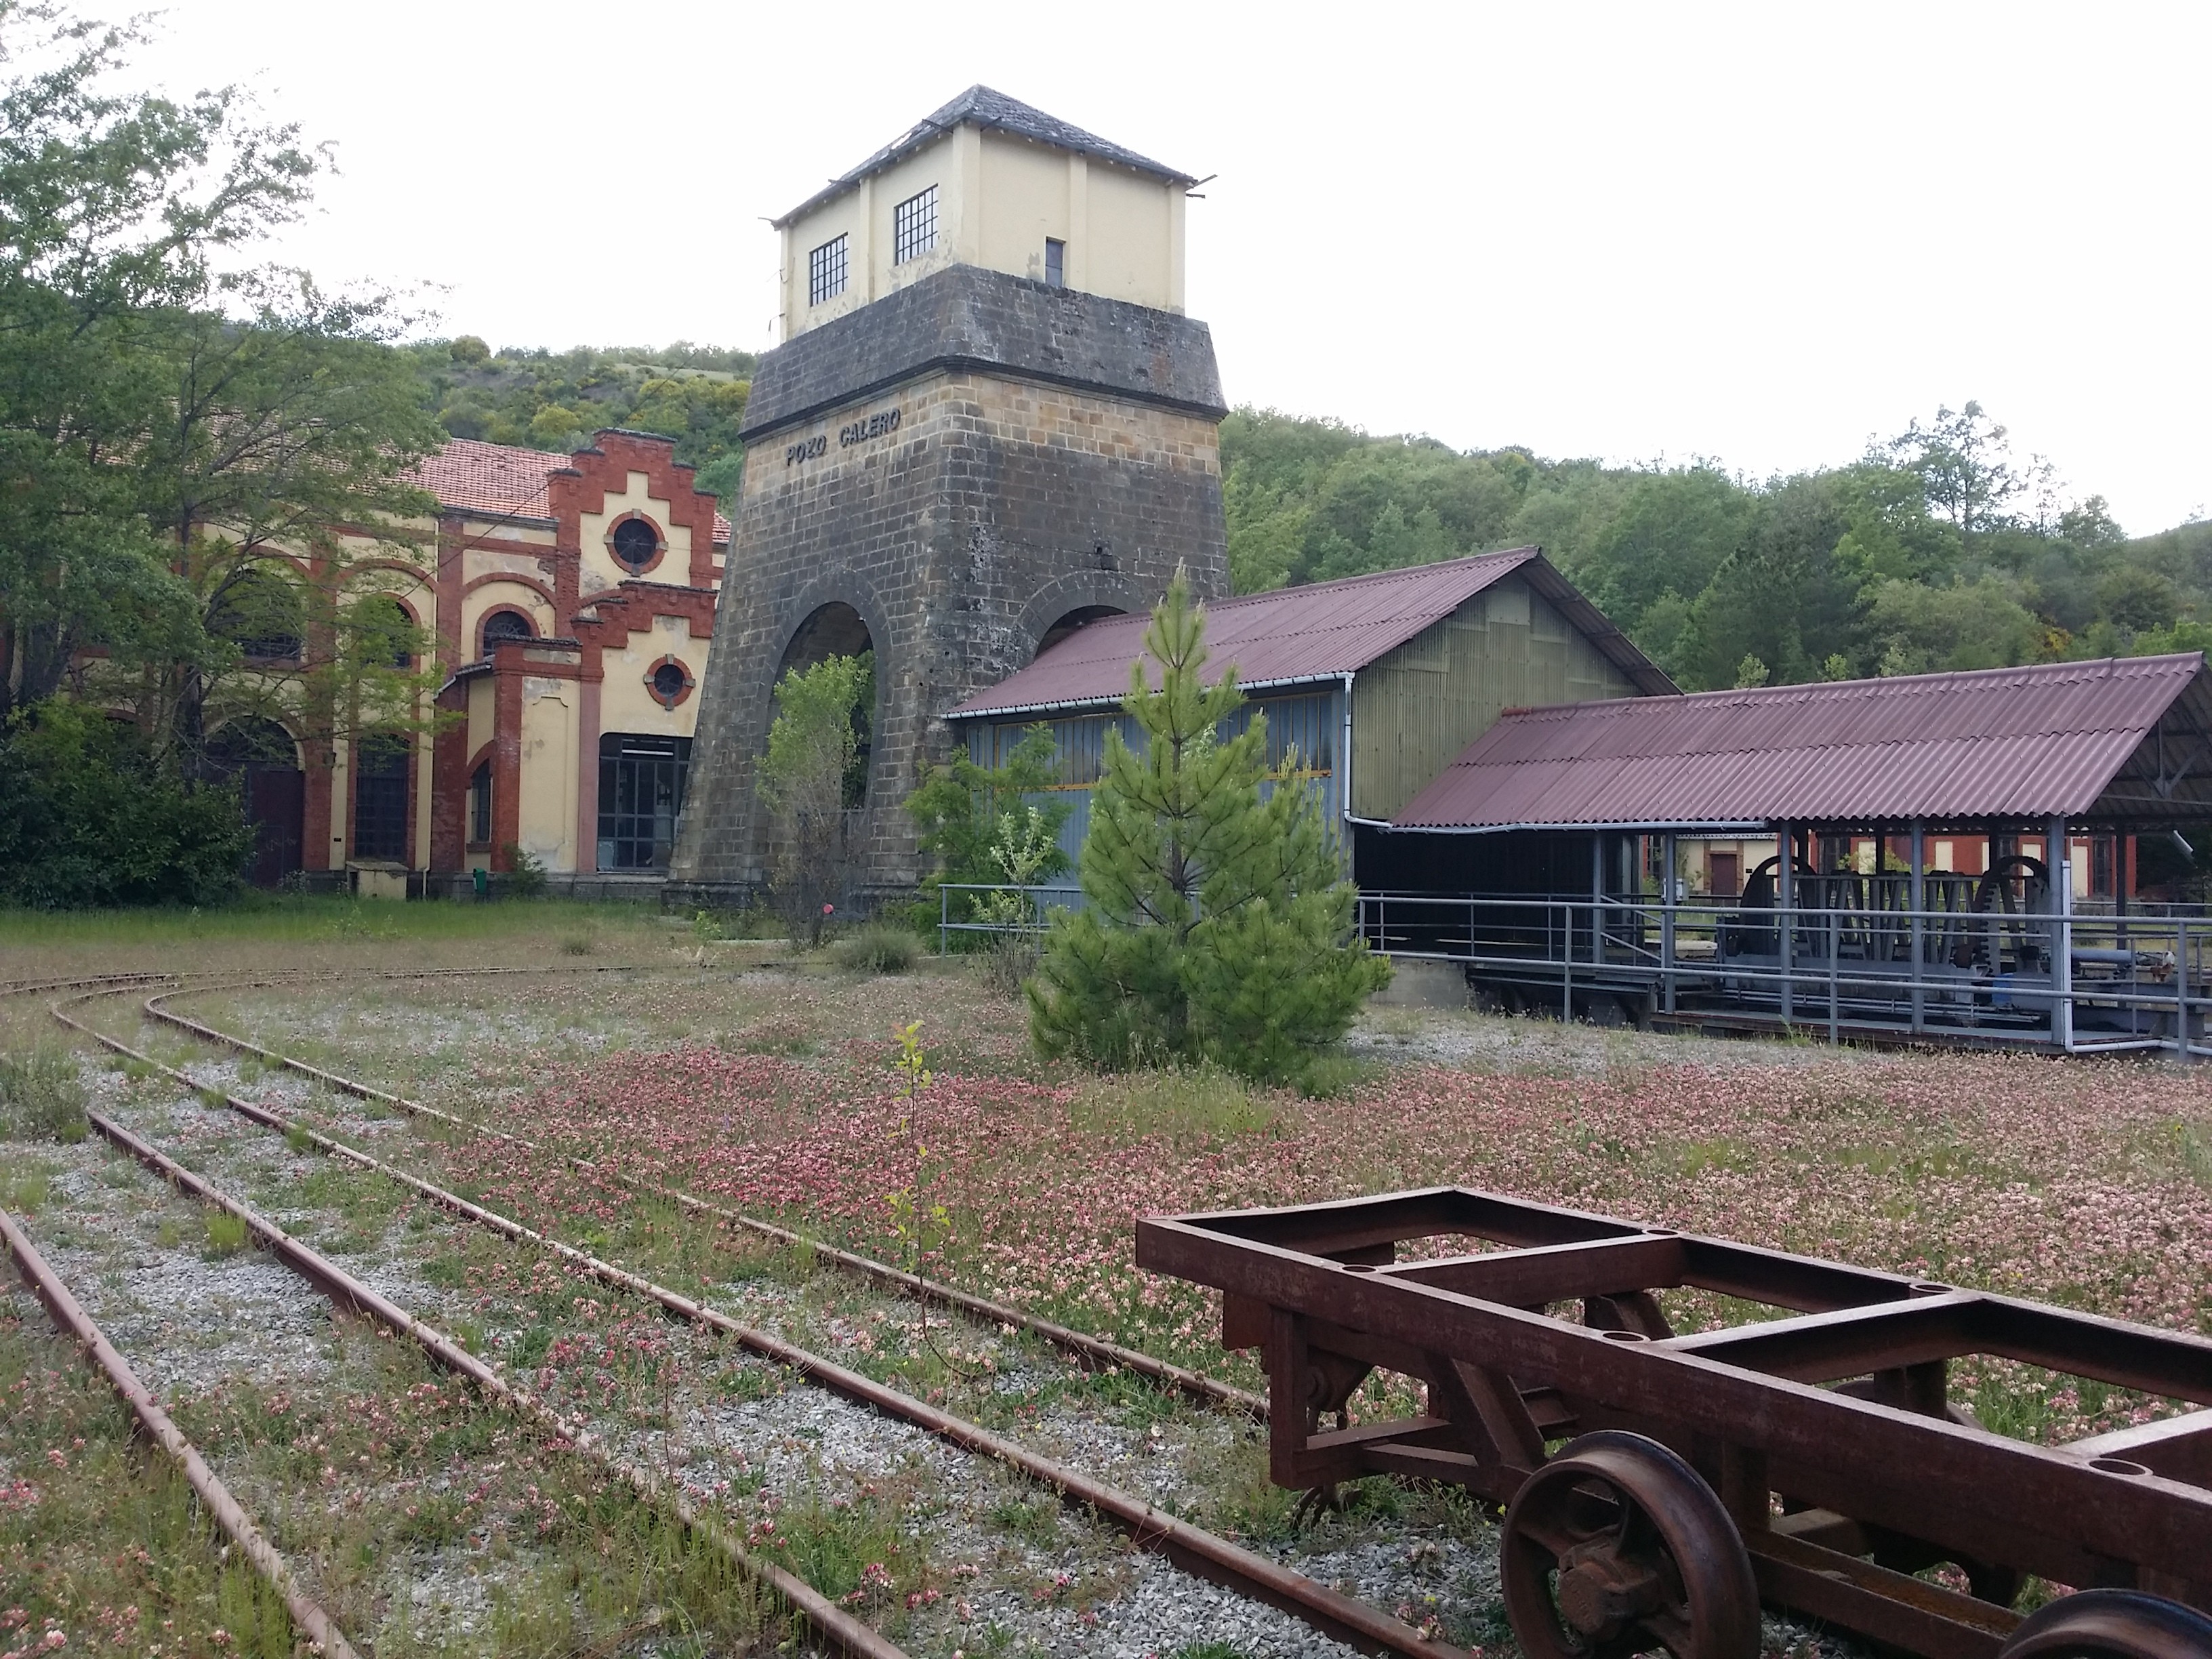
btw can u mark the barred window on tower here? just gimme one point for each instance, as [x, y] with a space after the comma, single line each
[914, 227]
[825, 272]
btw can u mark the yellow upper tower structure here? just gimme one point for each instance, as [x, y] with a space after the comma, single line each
[988, 181]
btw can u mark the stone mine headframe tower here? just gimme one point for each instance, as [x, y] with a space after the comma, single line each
[988, 422]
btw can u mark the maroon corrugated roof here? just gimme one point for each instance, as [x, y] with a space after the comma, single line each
[2006, 742]
[1319, 632]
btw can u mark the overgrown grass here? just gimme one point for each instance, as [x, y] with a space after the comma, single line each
[98, 1538]
[287, 919]
[878, 949]
[42, 1096]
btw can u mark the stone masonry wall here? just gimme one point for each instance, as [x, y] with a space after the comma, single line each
[996, 503]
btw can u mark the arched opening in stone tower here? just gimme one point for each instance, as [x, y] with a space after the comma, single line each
[836, 630]
[1073, 621]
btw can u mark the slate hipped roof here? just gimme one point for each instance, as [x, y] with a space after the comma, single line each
[1322, 631]
[2126, 739]
[994, 111]
[502, 481]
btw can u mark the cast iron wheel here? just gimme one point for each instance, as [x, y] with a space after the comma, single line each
[2110, 1623]
[1616, 1547]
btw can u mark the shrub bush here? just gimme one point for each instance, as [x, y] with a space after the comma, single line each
[42, 1096]
[878, 949]
[88, 817]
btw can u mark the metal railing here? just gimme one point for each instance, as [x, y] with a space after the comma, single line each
[2065, 980]
[1025, 910]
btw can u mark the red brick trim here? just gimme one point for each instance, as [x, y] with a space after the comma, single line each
[451, 542]
[450, 767]
[653, 686]
[583, 486]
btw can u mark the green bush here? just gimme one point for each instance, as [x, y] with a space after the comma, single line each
[41, 1096]
[88, 819]
[878, 949]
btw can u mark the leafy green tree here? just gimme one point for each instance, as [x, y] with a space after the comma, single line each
[1217, 913]
[116, 207]
[813, 745]
[1919, 630]
[1669, 535]
[968, 816]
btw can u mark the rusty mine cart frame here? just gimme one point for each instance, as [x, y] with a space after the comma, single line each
[1812, 1462]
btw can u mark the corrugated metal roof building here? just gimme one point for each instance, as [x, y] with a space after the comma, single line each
[1393, 673]
[2123, 742]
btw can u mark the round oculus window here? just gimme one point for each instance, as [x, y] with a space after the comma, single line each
[670, 681]
[635, 543]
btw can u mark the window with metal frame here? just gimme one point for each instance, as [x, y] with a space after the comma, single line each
[480, 805]
[503, 626]
[379, 797]
[914, 227]
[1056, 261]
[826, 271]
[641, 781]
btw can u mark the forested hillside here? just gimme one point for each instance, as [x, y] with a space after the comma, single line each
[554, 400]
[1938, 549]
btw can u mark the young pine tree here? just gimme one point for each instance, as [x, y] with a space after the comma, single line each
[1218, 918]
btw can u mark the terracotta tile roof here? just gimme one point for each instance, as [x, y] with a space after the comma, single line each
[2019, 744]
[502, 481]
[1321, 631]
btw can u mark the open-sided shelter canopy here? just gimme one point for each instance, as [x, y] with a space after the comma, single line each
[2117, 744]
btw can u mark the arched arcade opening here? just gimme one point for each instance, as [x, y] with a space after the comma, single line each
[836, 629]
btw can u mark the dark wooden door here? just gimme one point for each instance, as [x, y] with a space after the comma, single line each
[276, 805]
[1726, 875]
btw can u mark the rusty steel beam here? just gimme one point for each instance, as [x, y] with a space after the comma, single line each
[2179, 1448]
[1555, 1273]
[70, 1318]
[1847, 1342]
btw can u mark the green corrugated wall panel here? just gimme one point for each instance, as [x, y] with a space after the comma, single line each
[1416, 708]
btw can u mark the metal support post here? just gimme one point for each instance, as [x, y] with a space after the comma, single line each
[2060, 872]
[1785, 893]
[1567, 970]
[1835, 927]
[2181, 983]
[1666, 882]
[1919, 896]
[1597, 897]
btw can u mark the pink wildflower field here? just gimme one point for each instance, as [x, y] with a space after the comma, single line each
[2086, 1185]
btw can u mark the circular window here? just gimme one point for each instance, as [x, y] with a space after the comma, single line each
[636, 544]
[668, 680]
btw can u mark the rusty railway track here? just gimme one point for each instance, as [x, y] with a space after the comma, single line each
[1088, 1350]
[308, 1616]
[1203, 1554]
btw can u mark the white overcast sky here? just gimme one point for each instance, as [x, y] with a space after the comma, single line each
[1656, 232]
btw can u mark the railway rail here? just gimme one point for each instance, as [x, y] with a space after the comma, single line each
[1088, 1350]
[308, 1616]
[1194, 1548]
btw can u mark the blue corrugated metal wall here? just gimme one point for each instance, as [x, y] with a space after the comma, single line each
[1313, 721]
